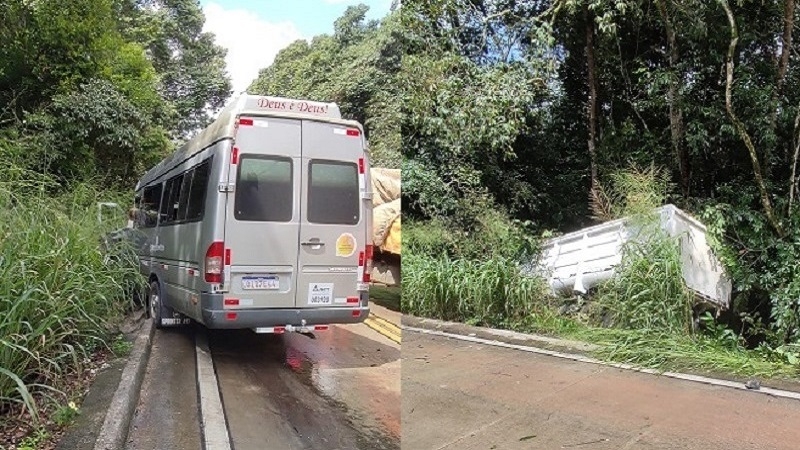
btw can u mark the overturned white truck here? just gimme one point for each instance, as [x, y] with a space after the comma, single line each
[578, 261]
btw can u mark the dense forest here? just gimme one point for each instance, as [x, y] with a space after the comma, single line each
[357, 67]
[521, 116]
[92, 92]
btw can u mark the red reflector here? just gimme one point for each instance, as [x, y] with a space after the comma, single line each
[231, 301]
[367, 264]
[356, 313]
[361, 165]
[227, 257]
[231, 316]
[352, 299]
[235, 156]
[353, 132]
[245, 121]
[360, 258]
[279, 329]
[320, 327]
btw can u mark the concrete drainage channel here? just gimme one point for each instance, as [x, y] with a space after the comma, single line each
[114, 431]
[116, 426]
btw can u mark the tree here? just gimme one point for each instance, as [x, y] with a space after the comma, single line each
[190, 64]
[356, 67]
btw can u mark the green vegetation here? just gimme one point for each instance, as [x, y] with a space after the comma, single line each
[121, 346]
[92, 92]
[60, 294]
[356, 67]
[66, 414]
[386, 296]
[556, 115]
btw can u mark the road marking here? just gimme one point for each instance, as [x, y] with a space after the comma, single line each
[580, 358]
[212, 415]
[384, 327]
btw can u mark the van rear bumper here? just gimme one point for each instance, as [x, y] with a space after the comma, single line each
[216, 317]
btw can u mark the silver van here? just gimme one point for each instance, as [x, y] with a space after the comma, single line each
[261, 221]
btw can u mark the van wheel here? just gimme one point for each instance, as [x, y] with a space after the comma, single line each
[156, 307]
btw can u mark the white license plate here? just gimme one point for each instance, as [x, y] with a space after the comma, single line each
[320, 293]
[260, 283]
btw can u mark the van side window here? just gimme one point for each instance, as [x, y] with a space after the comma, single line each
[333, 192]
[149, 206]
[183, 199]
[169, 206]
[197, 193]
[264, 189]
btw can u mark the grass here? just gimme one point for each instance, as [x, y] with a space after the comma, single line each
[60, 293]
[491, 292]
[386, 296]
[649, 310]
[648, 291]
[643, 316]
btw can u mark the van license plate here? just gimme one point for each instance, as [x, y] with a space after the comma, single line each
[260, 283]
[320, 293]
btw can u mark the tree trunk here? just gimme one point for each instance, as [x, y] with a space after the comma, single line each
[674, 101]
[592, 106]
[783, 62]
[740, 127]
[783, 67]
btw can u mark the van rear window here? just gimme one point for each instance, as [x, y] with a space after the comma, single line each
[333, 192]
[264, 189]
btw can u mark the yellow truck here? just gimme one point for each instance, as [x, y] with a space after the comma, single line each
[386, 226]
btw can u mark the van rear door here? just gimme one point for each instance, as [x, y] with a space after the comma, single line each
[333, 225]
[262, 218]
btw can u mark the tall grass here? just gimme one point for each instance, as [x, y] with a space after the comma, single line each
[647, 291]
[59, 292]
[469, 275]
[490, 292]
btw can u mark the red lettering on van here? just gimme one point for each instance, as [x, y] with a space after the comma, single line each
[317, 109]
[271, 104]
[303, 107]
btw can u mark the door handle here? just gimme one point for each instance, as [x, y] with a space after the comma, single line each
[312, 243]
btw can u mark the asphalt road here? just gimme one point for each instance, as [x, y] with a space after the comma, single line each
[338, 391]
[464, 395]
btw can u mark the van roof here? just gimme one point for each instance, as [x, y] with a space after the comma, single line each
[248, 105]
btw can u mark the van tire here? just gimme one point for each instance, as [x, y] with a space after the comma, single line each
[155, 304]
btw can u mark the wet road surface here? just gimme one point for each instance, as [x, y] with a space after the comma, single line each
[287, 392]
[338, 391]
[464, 395]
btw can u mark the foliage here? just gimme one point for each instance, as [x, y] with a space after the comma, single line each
[95, 130]
[91, 91]
[190, 65]
[356, 67]
[647, 291]
[66, 414]
[489, 292]
[492, 235]
[60, 293]
[497, 116]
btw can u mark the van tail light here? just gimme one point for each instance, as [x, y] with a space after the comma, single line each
[365, 264]
[214, 262]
